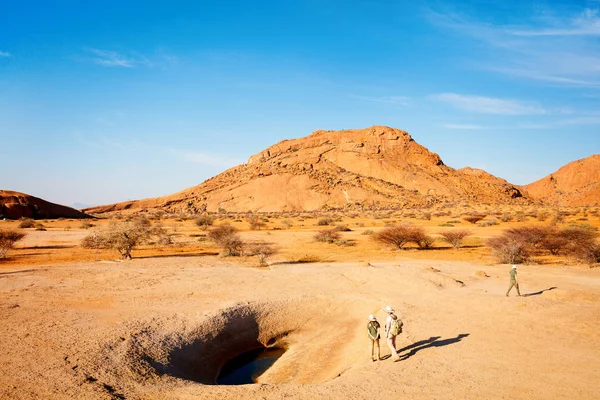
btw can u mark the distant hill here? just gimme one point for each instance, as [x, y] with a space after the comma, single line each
[15, 205]
[377, 167]
[575, 184]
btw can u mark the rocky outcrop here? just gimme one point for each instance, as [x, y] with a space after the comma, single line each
[15, 205]
[575, 184]
[377, 167]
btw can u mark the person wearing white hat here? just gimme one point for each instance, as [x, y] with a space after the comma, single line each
[373, 330]
[393, 327]
[513, 281]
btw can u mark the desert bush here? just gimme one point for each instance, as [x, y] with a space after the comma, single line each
[520, 217]
[399, 236]
[204, 221]
[474, 218]
[220, 234]
[588, 253]
[446, 225]
[7, 241]
[453, 221]
[506, 217]
[26, 223]
[85, 224]
[455, 237]
[559, 217]
[262, 251]
[328, 235]
[256, 223]
[542, 216]
[425, 241]
[40, 227]
[342, 228]
[509, 250]
[343, 242]
[233, 246]
[554, 243]
[287, 223]
[367, 232]
[120, 236]
[529, 235]
[324, 221]
[489, 222]
[426, 216]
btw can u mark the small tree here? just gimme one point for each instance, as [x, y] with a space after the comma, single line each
[120, 236]
[400, 235]
[328, 235]
[263, 251]
[227, 237]
[474, 218]
[26, 223]
[256, 223]
[509, 250]
[7, 241]
[455, 237]
[204, 221]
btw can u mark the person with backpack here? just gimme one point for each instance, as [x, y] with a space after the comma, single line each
[393, 327]
[513, 281]
[373, 331]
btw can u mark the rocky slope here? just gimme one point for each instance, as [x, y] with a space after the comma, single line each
[377, 167]
[575, 184]
[15, 205]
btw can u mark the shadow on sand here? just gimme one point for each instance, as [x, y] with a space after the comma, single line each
[433, 341]
[540, 292]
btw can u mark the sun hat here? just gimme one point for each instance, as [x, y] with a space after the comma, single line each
[389, 309]
[514, 267]
[372, 318]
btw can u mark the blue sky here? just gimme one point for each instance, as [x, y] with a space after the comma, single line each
[108, 101]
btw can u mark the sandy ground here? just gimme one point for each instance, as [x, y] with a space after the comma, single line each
[77, 323]
[133, 329]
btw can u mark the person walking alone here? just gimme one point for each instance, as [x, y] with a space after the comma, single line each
[393, 327]
[513, 281]
[373, 330]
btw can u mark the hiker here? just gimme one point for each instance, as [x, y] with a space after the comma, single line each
[393, 327]
[513, 281]
[373, 330]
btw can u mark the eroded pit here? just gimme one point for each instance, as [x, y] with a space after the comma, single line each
[245, 340]
[248, 367]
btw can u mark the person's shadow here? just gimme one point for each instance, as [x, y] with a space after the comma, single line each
[540, 292]
[433, 341]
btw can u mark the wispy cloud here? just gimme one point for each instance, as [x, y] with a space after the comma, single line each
[466, 127]
[213, 160]
[399, 100]
[110, 59]
[489, 105]
[5, 54]
[130, 59]
[561, 49]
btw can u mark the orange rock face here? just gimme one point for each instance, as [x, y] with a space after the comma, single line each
[575, 184]
[15, 205]
[377, 167]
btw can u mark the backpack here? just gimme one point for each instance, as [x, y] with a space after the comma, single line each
[396, 327]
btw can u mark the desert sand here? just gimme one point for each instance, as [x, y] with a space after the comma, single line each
[160, 326]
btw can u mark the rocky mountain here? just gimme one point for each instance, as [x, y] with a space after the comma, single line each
[377, 167]
[15, 205]
[575, 184]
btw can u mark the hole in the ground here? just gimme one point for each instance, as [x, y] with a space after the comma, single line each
[247, 367]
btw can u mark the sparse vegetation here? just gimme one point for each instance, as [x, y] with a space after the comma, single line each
[400, 235]
[256, 223]
[204, 221]
[262, 251]
[226, 236]
[26, 223]
[120, 236]
[328, 235]
[7, 241]
[455, 237]
[509, 250]
[474, 218]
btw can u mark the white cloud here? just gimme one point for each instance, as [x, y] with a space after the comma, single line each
[5, 54]
[560, 49]
[489, 105]
[110, 59]
[399, 100]
[466, 127]
[213, 160]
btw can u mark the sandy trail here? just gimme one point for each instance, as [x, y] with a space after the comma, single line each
[134, 329]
